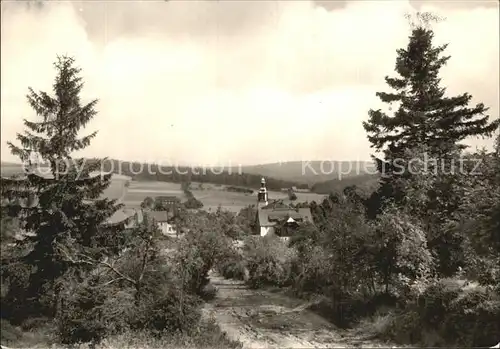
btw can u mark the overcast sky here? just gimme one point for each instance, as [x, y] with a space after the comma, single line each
[233, 81]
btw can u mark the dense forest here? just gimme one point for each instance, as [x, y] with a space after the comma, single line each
[367, 183]
[179, 174]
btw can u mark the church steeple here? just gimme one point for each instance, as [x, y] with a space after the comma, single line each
[262, 195]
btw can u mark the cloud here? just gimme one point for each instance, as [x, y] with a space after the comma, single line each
[232, 81]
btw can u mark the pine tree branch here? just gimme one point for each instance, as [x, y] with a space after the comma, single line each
[112, 281]
[88, 260]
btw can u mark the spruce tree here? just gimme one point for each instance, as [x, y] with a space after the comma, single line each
[479, 216]
[425, 118]
[64, 205]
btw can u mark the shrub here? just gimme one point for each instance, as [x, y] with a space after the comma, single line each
[89, 312]
[473, 320]
[232, 267]
[239, 190]
[15, 278]
[400, 250]
[198, 252]
[141, 289]
[208, 334]
[269, 262]
[193, 203]
[435, 302]
[92, 311]
[79, 319]
[174, 311]
[447, 313]
[234, 270]
[9, 333]
[403, 327]
[313, 270]
[208, 292]
[34, 323]
[205, 335]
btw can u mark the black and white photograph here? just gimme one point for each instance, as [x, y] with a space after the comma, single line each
[250, 174]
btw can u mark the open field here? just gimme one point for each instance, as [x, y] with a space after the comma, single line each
[212, 196]
[116, 189]
[234, 202]
[138, 191]
[10, 169]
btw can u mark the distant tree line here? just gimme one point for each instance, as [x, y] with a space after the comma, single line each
[234, 182]
[152, 172]
[191, 202]
[239, 189]
[368, 182]
[291, 194]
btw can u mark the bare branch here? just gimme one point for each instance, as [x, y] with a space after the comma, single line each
[87, 260]
[145, 259]
[111, 281]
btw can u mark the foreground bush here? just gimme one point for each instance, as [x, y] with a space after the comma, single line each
[233, 267]
[140, 290]
[447, 313]
[14, 285]
[269, 262]
[8, 333]
[199, 251]
[92, 310]
[85, 314]
[206, 334]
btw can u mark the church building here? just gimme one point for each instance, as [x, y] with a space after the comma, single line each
[277, 218]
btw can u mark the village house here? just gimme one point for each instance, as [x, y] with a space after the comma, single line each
[169, 203]
[128, 218]
[163, 220]
[295, 190]
[277, 218]
[164, 216]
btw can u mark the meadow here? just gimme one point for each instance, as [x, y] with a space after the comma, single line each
[211, 196]
[234, 201]
[138, 191]
[116, 189]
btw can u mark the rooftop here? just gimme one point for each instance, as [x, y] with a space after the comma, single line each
[269, 216]
[121, 215]
[277, 205]
[168, 198]
[160, 216]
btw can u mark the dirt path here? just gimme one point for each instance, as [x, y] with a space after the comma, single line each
[262, 319]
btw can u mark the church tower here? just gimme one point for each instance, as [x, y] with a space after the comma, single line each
[262, 199]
